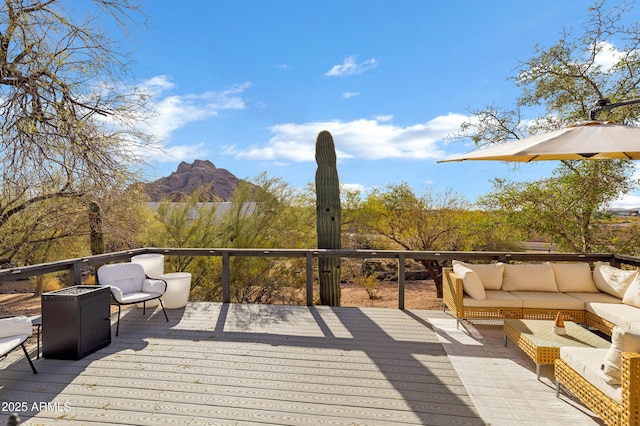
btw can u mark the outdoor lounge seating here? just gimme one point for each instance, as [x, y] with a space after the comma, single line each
[607, 381]
[602, 298]
[14, 331]
[129, 285]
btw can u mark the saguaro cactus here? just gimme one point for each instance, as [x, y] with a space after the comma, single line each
[95, 228]
[328, 218]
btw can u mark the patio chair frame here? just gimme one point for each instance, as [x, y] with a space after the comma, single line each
[24, 349]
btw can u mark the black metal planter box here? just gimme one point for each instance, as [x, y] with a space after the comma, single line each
[75, 322]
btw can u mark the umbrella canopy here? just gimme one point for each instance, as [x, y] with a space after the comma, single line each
[586, 140]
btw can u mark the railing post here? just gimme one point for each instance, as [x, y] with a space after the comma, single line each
[75, 274]
[226, 277]
[401, 259]
[309, 256]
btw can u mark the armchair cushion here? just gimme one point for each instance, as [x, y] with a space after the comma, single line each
[129, 284]
[13, 332]
[14, 326]
[154, 286]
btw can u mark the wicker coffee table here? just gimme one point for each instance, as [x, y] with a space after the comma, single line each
[537, 339]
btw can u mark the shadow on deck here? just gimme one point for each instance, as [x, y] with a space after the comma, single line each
[218, 363]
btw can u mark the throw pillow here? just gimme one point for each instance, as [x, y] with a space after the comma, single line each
[632, 295]
[574, 277]
[621, 341]
[471, 281]
[529, 277]
[490, 273]
[612, 280]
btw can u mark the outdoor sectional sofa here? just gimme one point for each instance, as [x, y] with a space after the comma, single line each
[606, 298]
[602, 298]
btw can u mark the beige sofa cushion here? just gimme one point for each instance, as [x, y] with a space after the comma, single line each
[529, 277]
[621, 341]
[490, 273]
[471, 282]
[595, 297]
[587, 362]
[576, 277]
[495, 299]
[617, 313]
[612, 280]
[548, 300]
[632, 295]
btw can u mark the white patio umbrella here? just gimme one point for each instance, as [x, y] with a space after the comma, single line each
[586, 140]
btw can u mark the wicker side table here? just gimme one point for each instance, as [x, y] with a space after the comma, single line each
[537, 339]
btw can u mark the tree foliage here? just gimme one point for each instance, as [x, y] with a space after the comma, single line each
[565, 80]
[261, 214]
[67, 127]
[430, 221]
[564, 206]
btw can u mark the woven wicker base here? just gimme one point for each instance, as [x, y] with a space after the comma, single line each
[537, 339]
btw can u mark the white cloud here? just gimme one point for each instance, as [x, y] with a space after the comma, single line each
[384, 117]
[171, 112]
[608, 55]
[628, 201]
[158, 84]
[350, 67]
[355, 187]
[364, 139]
[349, 95]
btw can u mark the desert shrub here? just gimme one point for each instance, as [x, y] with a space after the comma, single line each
[370, 284]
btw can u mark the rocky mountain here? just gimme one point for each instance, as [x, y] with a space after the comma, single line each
[219, 183]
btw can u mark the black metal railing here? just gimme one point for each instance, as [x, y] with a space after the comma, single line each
[75, 266]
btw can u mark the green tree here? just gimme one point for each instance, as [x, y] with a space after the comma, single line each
[67, 129]
[413, 222]
[565, 80]
[260, 214]
[565, 206]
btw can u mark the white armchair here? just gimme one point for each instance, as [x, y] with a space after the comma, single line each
[14, 331]
[129, 284]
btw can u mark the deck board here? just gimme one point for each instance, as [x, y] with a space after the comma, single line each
[217, 364]
[252, 364]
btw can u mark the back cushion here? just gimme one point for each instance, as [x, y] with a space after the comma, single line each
[490, 274]
[529, 277]
[128, 285]
[621, 341]
[471, 281]
[612, 280]
[632, 295]
[14, 326]
[126, 276]
[574, 277]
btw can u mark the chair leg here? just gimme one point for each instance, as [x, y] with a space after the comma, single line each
[118, 325]
[165, 312]
[144, 308]
[28, 358]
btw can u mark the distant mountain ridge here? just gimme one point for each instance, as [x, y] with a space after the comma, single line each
[189, 178]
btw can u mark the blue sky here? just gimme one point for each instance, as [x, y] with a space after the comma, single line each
[249, 84]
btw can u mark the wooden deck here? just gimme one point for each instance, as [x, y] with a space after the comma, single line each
[223, 364]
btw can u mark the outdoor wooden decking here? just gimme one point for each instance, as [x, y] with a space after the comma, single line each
[288, 365]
